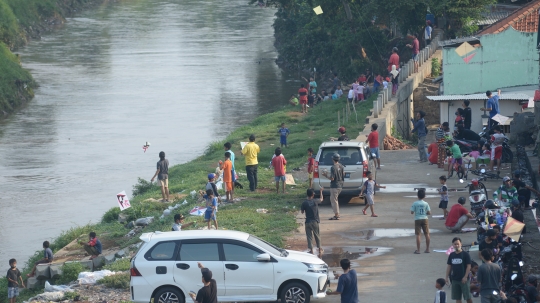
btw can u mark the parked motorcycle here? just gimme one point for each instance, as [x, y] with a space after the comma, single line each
[477, 196]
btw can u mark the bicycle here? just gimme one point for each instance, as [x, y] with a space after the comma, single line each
[461, 172]
[486, 175]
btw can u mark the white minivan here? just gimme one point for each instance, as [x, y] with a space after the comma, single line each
[245, 268]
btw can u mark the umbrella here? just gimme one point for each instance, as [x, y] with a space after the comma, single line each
[500, 118]
[197, 211]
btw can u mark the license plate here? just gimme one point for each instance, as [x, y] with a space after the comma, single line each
[347, 175]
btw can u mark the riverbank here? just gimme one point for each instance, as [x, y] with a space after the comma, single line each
[20, 21]
[306, 131]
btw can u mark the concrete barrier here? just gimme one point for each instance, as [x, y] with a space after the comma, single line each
[43, 272]
[55, 270]
[33, 283]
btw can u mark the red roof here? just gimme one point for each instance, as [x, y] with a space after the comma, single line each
[524, 19]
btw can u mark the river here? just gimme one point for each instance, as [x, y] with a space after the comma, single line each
[178, 74]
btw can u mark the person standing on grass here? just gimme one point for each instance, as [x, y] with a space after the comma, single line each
[457, 271]
[369, 189]
[421, 130]
[14, 276]
[415, 46]
[250, 152]
[283, 134]
[310, 166]
[493, 108]
[443, 191]
[347, 283]
[311, 208]
[420, 209]
[211, 184]
[489, 277]
[179, 223]
[211, 208]
[93, 247]
[227, 177]
[47, 258]
[279, 162]
[227, 146]
[162, 173]
[336, 178]
[373, 140]
[339, 91]
[303, 92]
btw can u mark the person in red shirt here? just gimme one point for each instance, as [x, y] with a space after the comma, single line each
[415, 50]
[373, 141]
[279, 162]
[458, 216]
[310, 166]
[394, 59]
[303, 92]
[362, 78]
[433, 151]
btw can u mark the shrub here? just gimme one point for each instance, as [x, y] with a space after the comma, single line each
[70, 272]
[142, 186]
[111, 215]
[119, 265]
[435, 67]
[120, 280]
[71, 295]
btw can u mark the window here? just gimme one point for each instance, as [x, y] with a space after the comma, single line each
[265, 245]
[349, 155]
[162, 251]
[239, 253]
[199, 252]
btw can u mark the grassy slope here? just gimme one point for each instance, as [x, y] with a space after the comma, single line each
[306, 131]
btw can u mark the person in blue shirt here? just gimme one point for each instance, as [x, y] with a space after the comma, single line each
[347, 283]
[421, 130]
[334, 95]
[211, 208]
[283, 134]
[493, 107]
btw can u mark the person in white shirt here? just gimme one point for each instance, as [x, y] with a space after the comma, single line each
[385, 82]
[179, 222]
[427, 32]
[497, 140]
[350, 96]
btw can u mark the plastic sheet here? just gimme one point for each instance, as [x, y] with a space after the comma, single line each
[90, 278]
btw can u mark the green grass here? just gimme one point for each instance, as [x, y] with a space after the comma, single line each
[306, 131]
[120, 280]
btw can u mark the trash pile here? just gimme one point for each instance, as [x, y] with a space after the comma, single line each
[391, 143]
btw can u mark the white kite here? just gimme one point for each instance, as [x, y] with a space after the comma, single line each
[318, 10]
[123, 200]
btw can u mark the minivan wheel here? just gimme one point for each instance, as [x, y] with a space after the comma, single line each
[295, 293]
[169, 295]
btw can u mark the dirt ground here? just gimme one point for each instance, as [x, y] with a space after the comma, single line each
[381, 248]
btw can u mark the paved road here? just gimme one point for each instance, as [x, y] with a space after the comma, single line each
[393, 273]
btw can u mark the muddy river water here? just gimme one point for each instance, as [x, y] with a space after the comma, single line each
[177, 73]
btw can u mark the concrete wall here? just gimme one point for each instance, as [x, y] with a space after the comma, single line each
[506, 59]
[448, 109]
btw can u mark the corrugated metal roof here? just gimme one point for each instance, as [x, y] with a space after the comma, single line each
[525, 19]
[458, 41]
[519, 97]
[490, 18]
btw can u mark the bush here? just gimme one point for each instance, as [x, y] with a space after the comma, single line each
[435, 67]
[119, 265]
[142, 186]
[71, 295]
[120, 280]
[70, 272]
[111, 215]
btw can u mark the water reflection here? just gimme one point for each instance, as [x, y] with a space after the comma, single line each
[178, 74]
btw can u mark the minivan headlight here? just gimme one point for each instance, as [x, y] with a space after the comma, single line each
[317, 268]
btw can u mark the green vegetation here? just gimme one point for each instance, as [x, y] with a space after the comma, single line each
[353, 35]
[435, 67]
[306, 131]
[119, 280]
[71, 295]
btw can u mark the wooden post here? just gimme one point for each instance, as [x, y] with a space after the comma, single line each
[338, 122]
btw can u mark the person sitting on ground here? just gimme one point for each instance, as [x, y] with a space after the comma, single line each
[506, 192]
[208, 293]
[326, 97]
[47, 258]
[179, 223]
[490, 242]
[458, 216]
[93, 246]
[466, 134]
[343, 136]
[334, 96]
[456, 157]
[293, 100]
[433, 153]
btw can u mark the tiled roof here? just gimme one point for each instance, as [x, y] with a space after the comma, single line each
[524, 19]
[490, 18]
[508, 96]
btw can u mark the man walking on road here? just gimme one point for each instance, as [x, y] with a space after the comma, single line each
[250, 151]
[311, 208]
[421, 130]
[162, 173]
[336, 177]
[373, 141]
[420, 209]
[493, 107]
[457, 270]
[489, 278]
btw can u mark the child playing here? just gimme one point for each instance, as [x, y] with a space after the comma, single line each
[283, 134]
[350, 96]
[47, 258]
[456, 155]
[360, 92]
[334, 96]
[443, 191]
[211, 185]
[497, 140]
[339, 91]
[279, 162]
[310, 166]
[475, 287]
[369, 188]
[293, 100]
[13, 276]
[93, 246]
[475, 153]
[211, 208]
[485, 156]
[440, 295]
[227, 177]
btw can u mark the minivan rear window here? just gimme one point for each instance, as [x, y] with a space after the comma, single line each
[348, 155]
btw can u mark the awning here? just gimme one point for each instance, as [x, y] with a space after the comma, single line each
[504, 96]
[507, 122]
